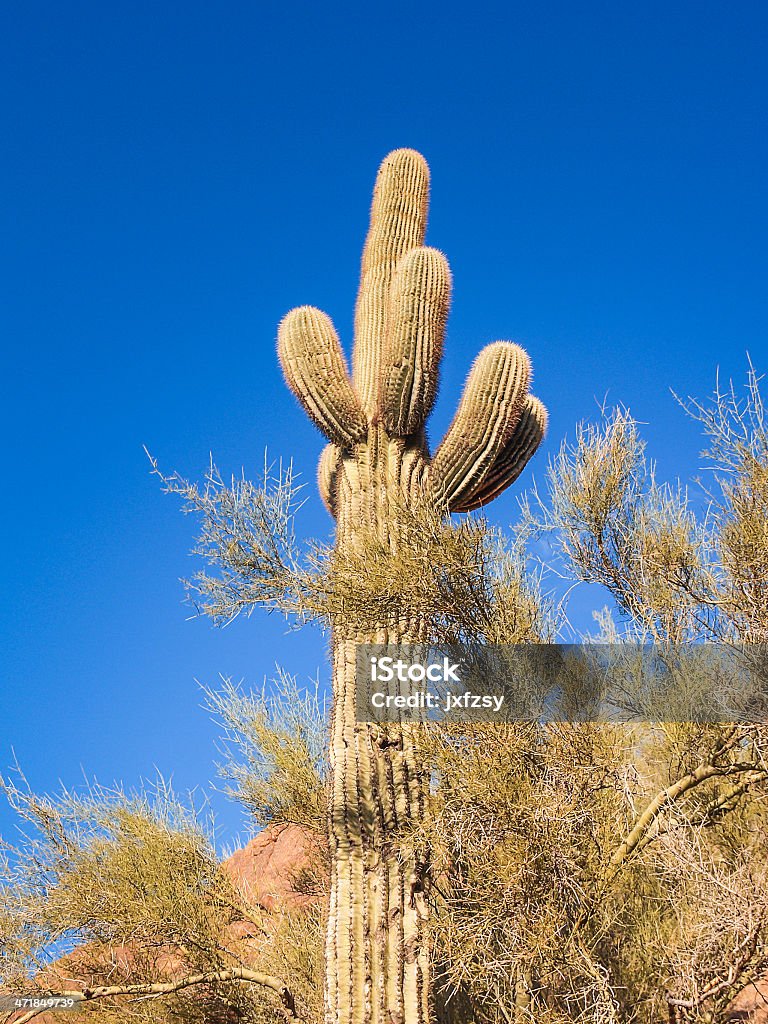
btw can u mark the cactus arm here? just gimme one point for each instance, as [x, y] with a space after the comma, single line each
[398, 224]
[510, 462]
[316, 372]
[327, 470]
[488, 413]
[419, 299]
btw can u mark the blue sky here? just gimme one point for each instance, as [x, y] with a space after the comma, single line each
[175, 178]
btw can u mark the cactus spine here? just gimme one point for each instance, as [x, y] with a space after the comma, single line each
[377, 962]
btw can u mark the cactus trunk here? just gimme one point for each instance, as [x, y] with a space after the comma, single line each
[377, 955]
[377, 960]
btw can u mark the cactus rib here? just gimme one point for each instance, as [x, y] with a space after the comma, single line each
[398, 224]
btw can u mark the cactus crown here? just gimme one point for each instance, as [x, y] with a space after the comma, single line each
[400, 319]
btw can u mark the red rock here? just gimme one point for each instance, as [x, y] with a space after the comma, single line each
[750, 1005]
[269, 868]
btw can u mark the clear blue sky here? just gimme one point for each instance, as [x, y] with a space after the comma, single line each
[175, 177]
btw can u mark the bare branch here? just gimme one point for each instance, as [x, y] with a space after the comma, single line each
[672, 793]
[241, 974]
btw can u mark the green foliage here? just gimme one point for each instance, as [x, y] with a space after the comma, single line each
[123, 895]
[140, 858]
[542, 912]
[595, 872]
[461, 579]
[673, 575]
[276, 758]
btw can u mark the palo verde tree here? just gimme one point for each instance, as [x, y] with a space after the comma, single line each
[377, 467]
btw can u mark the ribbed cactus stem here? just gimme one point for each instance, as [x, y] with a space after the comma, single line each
[510, 462]
[316, 372]
[377, 959]
[398, 224]
[420, 294]
[486, 418]
[327, 473]
[376, 953]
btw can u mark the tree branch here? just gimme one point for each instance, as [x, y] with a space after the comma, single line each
[165, 988]
[670, 794]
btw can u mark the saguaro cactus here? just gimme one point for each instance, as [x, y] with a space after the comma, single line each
[378, 459]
